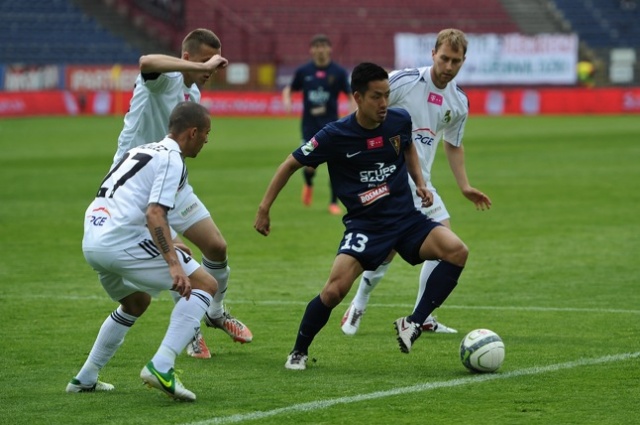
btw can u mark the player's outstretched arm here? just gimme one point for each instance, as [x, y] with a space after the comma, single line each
[455, 156]
[279, 180]
[165, 63]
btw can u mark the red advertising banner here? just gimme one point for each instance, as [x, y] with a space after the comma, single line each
[482, 102]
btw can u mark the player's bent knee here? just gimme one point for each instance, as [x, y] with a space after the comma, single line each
[204, 281]
[458, 255]
[135, 304]
[333, 293]
[215, 249]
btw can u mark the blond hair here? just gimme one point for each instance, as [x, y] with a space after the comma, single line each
[454, 37]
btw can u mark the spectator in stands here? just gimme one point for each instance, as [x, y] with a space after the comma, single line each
[586, 73]
[321, 82]
[439, 110]
[163, 82]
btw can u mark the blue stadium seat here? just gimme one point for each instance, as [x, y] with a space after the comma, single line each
[56, 31]
[603, 23]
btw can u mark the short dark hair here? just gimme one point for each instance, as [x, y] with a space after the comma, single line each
[319, 38]
[364, 73]
[197, 38]
[188, 115]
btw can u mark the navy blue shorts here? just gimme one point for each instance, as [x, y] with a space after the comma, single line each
[371, 247]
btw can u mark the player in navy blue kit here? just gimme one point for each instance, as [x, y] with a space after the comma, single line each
[321, 82]
[368, 154]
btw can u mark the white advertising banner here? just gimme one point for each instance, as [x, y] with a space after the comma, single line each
[498, 59]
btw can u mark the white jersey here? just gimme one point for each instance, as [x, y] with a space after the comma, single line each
[153, 100]
[116, 219]
[436, 114]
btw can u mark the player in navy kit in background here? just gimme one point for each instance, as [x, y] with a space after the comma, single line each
[321, 82]
[368, 154]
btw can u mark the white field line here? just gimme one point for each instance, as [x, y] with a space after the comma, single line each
[374, 305]
[475, 379]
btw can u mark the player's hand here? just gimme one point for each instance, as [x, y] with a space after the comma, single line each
[216, 62]
[426, 196]
[181, 282]
[182, 247]
[263, 222]
[479, 199]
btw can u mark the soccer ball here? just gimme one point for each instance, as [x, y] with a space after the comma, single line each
[482, 350]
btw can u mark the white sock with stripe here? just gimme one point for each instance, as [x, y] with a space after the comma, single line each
[185, 321]
[220, 271]
[110, 337]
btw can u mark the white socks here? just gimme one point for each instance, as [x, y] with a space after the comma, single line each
[185, 321]
[368, 282]
[220, 271]
[110, 337]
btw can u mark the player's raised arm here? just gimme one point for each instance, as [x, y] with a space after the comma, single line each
[279, 180]
[164, 63]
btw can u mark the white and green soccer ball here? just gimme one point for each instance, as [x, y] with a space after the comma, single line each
[482, 350]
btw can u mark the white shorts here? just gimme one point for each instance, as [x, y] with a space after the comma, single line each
[188, 210]
[140, 268]
[437, 211]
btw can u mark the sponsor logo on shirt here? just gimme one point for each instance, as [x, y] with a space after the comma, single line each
[372, 195]
[377, 176]
[435, 98]
[425, 139]
[321, 74]
[309, 147]
[375, 143]
[97, 218]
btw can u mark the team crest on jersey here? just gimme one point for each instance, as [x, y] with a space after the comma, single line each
[447, 116]
[395, 142]
[309, 147]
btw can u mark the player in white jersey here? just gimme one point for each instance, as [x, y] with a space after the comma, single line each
[164, 81]
[439, 110]
[128, 242]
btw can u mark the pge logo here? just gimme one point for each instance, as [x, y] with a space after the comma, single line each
[97, 221]
[424, 139]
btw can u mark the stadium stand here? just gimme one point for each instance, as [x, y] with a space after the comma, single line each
[278, 31]
[56, 31]
[603, 23]
[360, 30]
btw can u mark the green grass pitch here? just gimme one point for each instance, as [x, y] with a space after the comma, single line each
[553, 269]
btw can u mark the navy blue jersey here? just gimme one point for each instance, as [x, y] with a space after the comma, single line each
[320, 90]
[367, 167]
